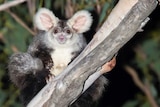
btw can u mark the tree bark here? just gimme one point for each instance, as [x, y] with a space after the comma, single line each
[125, 20]
[9, 4]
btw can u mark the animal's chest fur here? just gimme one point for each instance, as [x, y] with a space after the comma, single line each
[61, 58]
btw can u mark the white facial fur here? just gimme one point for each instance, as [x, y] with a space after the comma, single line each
[65, 37]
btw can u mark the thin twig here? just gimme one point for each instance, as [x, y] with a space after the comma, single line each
[31, 7]
[98, 7]
[10, 4]
[69, 9]
[20, 21]
[145, 88]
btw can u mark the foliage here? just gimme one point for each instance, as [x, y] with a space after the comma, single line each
[147, 60]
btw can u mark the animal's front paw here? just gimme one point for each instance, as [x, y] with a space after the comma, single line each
[49, 78]
[57, 69]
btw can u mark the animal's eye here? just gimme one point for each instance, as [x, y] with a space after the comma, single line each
[55, 30]
[68, 31]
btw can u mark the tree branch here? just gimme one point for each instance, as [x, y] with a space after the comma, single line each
[20, 22]
[10, 4]
[122, 24]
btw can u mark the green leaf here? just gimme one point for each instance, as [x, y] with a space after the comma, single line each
[153, 91]
[146, 104]
[104, 12]
[131, 103]
[156, 66]
[3, 96]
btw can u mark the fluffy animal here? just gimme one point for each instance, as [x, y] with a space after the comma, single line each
[56, 45]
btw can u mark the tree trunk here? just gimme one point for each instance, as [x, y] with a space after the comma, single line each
[125, 20]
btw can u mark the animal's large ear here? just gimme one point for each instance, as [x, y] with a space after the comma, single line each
[81, 21]
[45, 19]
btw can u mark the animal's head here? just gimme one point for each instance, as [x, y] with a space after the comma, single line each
[60, 31]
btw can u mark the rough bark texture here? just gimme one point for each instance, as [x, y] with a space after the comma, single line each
[124, 22]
